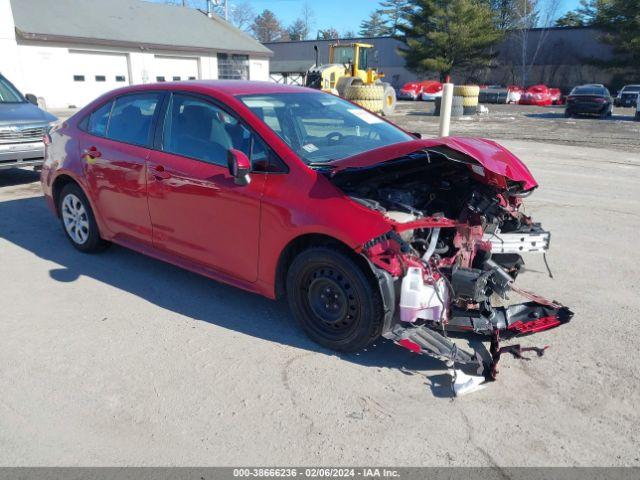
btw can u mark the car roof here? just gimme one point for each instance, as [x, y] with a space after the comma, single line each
[224, 87]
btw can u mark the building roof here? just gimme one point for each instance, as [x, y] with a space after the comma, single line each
[130, 23]
[290, 66]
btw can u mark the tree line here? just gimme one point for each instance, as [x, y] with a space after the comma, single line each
[442, 35]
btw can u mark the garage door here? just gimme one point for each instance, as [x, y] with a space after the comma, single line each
[173, 69]
[94, 73]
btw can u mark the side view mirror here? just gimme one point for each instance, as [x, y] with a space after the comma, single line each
[31, 98]
[239, 167]
[416, 134]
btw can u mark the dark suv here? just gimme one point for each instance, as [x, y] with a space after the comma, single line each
[22, 128]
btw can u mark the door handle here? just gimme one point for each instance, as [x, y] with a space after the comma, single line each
[160, 173]
[91, 152]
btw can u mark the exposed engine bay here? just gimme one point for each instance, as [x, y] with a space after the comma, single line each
[454, 250]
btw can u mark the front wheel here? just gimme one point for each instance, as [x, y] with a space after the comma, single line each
[78, 221]
[337, 303]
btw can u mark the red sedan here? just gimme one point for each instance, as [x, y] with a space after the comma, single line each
[366, 229]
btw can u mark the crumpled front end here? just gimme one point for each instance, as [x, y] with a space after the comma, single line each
[454, 248]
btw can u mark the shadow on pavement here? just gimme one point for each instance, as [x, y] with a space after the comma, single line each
[28, 224]
[17, 176]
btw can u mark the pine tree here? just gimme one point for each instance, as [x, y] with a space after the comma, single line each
[374, 26]
[445, 34]
[394, 14]
[620, 22]
[267, 28]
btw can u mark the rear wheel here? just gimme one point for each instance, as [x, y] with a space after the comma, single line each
[567, 113]
[333, 298]
[78, 221]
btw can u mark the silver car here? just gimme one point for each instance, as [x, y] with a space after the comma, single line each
[22, 128]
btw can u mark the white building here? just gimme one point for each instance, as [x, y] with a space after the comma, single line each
[71, 51]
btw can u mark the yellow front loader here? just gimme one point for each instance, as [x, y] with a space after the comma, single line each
[348, 75]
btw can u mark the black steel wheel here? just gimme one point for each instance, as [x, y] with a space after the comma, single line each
[337, 303]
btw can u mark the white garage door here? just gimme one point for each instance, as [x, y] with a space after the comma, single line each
[173, 69]
[94, 73]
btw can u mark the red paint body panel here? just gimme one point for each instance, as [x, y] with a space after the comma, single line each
[193, 215]
[493, 157]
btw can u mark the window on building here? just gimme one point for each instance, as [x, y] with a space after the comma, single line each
[78, 78]
[233, 67]
[192, 78]
[99, 120]
[160, 79]
[120, 78]
[101, 78]
[131, 118]
[176, 79]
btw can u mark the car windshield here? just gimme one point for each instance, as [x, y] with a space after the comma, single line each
[321, 127]
[631, 89]
[8, 94]
[587, 91]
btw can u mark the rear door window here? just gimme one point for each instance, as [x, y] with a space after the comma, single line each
[99, 120]
[132, 118]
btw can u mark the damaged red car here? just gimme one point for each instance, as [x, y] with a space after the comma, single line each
[366, 229]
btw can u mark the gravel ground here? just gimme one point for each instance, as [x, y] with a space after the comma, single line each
[118, 359]
[523, 122]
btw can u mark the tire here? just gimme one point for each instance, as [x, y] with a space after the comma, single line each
[469, 101]
[364, 92]
[344, 82]
[374, 106]
[469, 110]
[356, 317]
[457, 107]
[466, 90]
[567, 113]
[638, 116]
[389, 100]
[78, 222]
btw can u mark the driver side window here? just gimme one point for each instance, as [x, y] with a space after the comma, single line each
[198, 129]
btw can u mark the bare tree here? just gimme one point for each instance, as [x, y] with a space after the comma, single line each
[529, 14]
[242, 15]
[308, 18]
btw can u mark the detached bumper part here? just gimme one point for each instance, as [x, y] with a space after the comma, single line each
[532, 241]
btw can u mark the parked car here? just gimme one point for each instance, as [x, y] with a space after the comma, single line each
[514, 93]
[536, 95]
[410, 91]
[431, 89]
[22, 128]
[287, 191]
[593, 99]
[638, 108]
[556, 96]
[627, 97]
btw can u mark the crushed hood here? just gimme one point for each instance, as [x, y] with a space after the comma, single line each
[490, 155]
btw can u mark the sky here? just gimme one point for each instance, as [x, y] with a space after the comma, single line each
[343, 15]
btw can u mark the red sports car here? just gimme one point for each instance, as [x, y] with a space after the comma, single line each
[536, 95]
[367, 230]
[427, 90]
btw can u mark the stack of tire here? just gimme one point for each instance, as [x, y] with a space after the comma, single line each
[464, 102]
[469, 94]
[377, 97]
